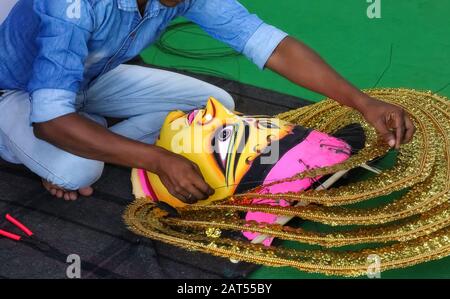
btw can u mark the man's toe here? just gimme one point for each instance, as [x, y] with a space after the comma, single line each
[73, 195]
[86, 191]
[59, 193]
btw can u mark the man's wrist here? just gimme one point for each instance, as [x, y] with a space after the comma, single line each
[360, 101]
[150, 159]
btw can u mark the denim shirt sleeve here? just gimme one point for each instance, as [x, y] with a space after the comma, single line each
[65, 28]
[231, 23]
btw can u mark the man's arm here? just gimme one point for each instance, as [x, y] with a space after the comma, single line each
[58, 70]
[83, 137]
[267, 46]
[301, 65]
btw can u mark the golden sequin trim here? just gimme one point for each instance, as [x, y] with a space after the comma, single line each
[412, 229]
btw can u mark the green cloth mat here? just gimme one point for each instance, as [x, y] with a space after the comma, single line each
[407, 47]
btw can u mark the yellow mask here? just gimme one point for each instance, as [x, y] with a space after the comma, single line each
[222, 143]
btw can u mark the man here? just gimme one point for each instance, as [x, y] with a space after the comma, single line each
[61, 71]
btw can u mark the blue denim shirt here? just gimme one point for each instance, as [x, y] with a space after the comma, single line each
[56, 48]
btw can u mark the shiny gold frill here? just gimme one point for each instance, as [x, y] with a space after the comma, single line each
[412, 229]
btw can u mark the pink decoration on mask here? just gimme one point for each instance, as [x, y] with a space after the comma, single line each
[145, 184]
[317, 150]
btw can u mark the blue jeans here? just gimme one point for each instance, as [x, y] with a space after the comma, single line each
[142, 96]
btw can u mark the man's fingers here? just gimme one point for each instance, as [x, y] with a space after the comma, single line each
[399, 129]
[390, 121]
[204, 188]
[187, 192]
[182, 195]
[383, 129]
[173, 190]
[410, 129]
[195, 194]
[201, 184]
[185, 181]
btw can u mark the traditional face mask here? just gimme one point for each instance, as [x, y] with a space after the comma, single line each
[236, 152]
[223, 145]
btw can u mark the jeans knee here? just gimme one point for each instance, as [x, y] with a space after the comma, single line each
[78, 174]
[224, 97]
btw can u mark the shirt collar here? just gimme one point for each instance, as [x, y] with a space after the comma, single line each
[153, 6]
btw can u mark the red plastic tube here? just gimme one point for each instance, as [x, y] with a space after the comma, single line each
[19, 225]
[10, 235]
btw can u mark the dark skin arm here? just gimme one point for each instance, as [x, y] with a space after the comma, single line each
[83, 137]
[295, 61]
[301, 65]
[291, 59]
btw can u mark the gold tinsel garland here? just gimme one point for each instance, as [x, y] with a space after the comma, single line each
[414, 228]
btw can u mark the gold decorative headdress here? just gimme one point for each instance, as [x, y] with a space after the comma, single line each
[412, 229]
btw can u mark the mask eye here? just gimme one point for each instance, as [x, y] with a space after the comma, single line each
[266, 124]
[225, 134]
[222, 144]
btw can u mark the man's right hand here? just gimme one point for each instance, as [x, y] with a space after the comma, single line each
[182, 178]
[83, 137]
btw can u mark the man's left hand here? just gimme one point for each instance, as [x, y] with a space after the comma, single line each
[391, 121]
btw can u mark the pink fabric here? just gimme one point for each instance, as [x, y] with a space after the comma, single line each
[317, 150]
[145, 184]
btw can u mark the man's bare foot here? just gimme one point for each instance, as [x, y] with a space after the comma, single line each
[66, 194]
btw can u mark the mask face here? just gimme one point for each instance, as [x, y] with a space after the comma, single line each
[222, 143]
